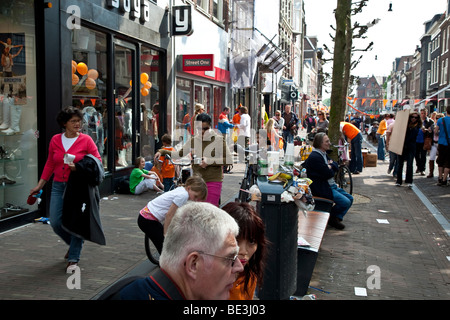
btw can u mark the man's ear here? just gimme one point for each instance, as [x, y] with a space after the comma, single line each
[192, 264]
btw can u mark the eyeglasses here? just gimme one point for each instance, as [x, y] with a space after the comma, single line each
[75, 121]
[233, 260]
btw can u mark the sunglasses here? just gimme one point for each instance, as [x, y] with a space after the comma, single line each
[414, 117]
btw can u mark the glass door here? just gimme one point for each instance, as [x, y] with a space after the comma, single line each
[123, 104]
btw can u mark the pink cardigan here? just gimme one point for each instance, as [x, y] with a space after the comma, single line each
[55, 162]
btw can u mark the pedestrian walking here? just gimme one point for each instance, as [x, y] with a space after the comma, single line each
[210, 152]
[290, 125]
[409, 149]
[443, 159]
[434, 147]
[393, 158]
[381, 134]
[64, 151]
[426, 132]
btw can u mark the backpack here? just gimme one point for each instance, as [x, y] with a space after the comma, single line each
[122, 186]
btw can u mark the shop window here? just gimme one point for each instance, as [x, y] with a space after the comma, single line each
[150, 107]
[89, 79]
[18, 108]
[184, 111]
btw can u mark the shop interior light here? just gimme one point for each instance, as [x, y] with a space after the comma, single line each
[48, 5]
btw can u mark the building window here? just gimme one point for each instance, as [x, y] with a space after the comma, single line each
[218, 10]
[444, 71]
[204, 4]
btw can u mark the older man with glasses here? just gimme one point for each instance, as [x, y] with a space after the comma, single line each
[198, 260]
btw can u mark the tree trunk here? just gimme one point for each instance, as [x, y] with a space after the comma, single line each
[341, 69]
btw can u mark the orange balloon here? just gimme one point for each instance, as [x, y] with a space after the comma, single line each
[90, 83]
[92, 73]
[131, 83]
[144, 77]
[144, 92]
[74, 67]
[82, 68]
[75, 79]
[148, 85]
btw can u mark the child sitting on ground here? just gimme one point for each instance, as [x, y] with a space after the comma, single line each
[155, 217]
[142, 180]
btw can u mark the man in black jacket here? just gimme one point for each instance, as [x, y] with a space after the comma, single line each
[290, 127]
[321, 170]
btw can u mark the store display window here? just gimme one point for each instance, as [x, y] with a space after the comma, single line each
[18, 107]
[89, 79]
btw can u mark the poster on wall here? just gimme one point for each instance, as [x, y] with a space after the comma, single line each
[13, 67]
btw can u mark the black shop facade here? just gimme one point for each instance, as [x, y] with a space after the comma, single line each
[107, 58]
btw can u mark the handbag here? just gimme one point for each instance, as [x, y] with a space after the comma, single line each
[428, 141]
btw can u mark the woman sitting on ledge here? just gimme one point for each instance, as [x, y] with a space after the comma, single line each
[321, 170]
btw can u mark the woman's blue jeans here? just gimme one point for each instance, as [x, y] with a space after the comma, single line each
[56, 210]
[342, 202]
[380, 150]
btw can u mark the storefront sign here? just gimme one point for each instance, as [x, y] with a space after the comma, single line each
[181, 21]
[138, 9]
[198, 62]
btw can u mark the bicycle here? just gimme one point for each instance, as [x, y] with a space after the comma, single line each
[343, 177]
[180, 178]
[250, 174]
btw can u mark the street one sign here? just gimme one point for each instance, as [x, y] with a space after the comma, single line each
[181, 21]
[198, 62]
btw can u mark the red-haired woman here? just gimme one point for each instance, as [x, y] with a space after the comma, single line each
[252, 249]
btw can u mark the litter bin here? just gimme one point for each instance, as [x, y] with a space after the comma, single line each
[281, 222]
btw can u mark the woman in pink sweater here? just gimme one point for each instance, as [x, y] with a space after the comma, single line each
[64, 151]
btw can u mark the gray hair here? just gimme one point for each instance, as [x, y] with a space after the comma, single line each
[318, 139]
[196, 226]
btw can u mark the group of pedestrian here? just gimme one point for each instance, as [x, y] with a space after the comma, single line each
[424, 136]
[200, 244]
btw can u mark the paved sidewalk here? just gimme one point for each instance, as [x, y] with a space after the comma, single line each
[32, 264]
[411, 252]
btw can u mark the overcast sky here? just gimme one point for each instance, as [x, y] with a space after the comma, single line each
[396, 34]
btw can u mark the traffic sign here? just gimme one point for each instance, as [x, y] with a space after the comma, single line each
[293, 94]
[287, 82]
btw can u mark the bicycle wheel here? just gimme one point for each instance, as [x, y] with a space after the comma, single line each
[150, 250]
[344, 179]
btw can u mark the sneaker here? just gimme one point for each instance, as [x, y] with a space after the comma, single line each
[410, 185]
[389, 171]
[442, 183]
[398, 184]
[71, 267]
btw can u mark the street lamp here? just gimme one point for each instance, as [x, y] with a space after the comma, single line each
[390, 7]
